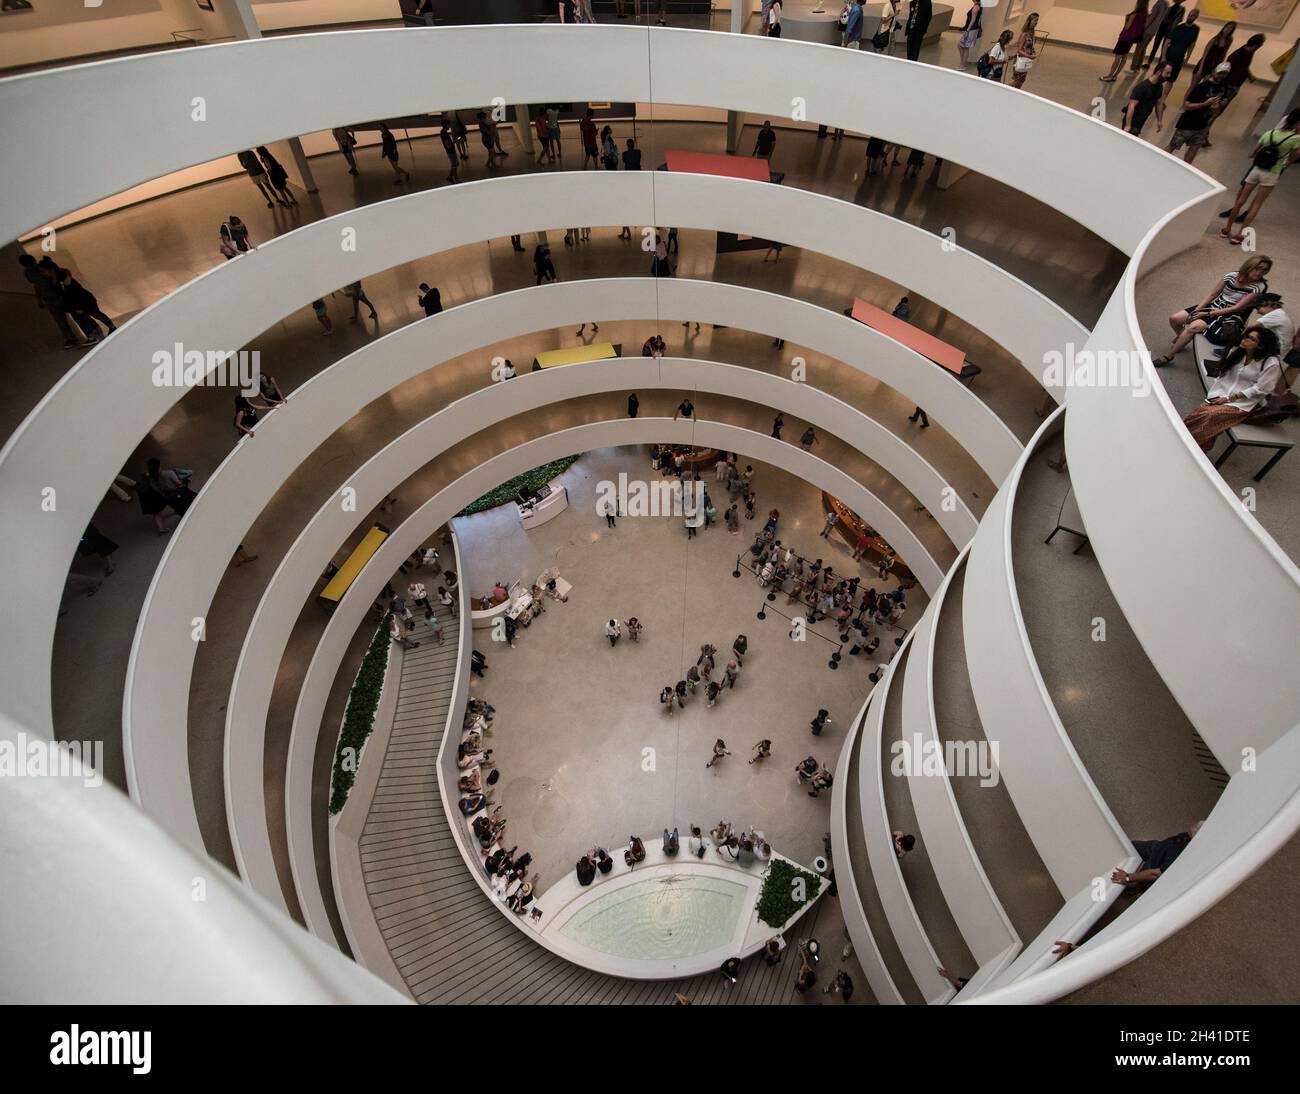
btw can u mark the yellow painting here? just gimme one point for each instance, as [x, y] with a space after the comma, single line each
[1270, 14]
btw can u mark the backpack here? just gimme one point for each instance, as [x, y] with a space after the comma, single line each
[984, 67]
[1266, 158]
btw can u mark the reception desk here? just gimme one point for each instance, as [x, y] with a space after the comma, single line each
[549, 507]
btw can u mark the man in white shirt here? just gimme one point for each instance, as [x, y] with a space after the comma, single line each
[613, 630]
[417, 592]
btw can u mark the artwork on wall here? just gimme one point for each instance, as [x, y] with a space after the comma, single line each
[1267, 14]
[15, 6]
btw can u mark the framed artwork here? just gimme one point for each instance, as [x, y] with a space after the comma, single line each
[1266, 14]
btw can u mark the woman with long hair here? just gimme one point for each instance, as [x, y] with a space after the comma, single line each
[1026, 51]
[1135, 22]
[1251, 372]
[1216, 51]
[1224, 307]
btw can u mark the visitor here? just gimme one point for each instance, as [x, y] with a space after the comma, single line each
[1148, 95]
[388, 151]
[773, 19]
[449, 146]
[685, 409]
[1172, 18]
[829, 524]
[808, 439]
[850, 34]
[631, 159]
[773, 949]
[762, 750]
[487, 130]
[766, 141]
[883, 40]
[919, 14]
[739, 648]
[903, 843]
[1135, 22]
[842, 985]
[1155, 17]
[971, 30]
[590, 140]
[542, 264]
[1274, 152]
[1179, 43]
[431, 621]
[992, 65]
[1251, 372]
[397, 630]
[719, 750]
[347, 142]
[806, 769]
[1215, 52]
[586, 870]
[695, 844]
[731, 966]
[1026, 51]
[78, 300]
[671, 842]
[634, 629]
[635, 852]
[358, 297]
[1221, 314]
[430, 299]
[50, 297]
[807, 973]
[1157, 856]
[613, 632]
[253, 166]
[820, 722]
[278, 177]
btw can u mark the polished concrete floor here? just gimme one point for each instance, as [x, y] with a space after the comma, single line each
[134, 257]
[578, 715]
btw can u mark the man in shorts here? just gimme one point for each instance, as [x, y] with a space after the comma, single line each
[1192, 130]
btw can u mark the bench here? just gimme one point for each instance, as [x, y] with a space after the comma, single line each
[1247, 434]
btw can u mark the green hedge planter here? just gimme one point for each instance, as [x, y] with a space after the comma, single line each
[359, 720]
[531, 480]
[778, 900]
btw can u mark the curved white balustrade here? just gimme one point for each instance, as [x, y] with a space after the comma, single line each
[900, 911]
[1255, 815]
[1160, 517]
[1153, 506]
[974, 905]
[293, 579]
[160, 668]
[103, 906]
[1071, 827]
[229, 305]
[291, 585]
[855, 915]
[254, 92]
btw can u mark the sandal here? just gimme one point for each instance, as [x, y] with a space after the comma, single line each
[1162, 360]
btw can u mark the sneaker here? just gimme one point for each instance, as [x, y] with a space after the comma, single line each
[1225, 231]
[1238, 239]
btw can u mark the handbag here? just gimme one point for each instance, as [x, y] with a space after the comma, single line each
[880, 40]
[1024, 64]
[1225, 330]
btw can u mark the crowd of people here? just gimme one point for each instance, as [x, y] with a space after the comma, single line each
[506, 867]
